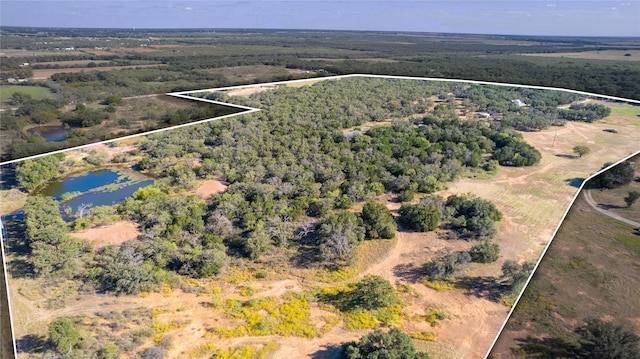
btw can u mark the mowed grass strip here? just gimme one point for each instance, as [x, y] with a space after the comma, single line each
[37, 92]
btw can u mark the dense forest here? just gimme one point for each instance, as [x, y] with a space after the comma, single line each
[294, 171]
[306, 177]
[146, 62]
[488, 58]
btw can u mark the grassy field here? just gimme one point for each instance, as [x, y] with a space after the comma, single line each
[592, 269]
[618, 55]
[37, 92]
[72, 62]
[29, 53]
[614, 198]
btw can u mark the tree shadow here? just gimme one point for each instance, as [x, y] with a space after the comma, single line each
[8, 178]
[328, 352]
[609, 206]
[31, 343]
[308, 252]
[15, 233]
[407, 272]
[546, 347]
[482, 287]
[563, 155]
[20, 268]
[306, 256]
[575, 182]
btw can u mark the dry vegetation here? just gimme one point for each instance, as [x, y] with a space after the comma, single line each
[589, 271]
[194, 318]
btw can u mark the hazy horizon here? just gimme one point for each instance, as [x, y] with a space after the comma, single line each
[521, 18]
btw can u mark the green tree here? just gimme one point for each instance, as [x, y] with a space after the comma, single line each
[604, 340]
[126, 271]
[420, 217]
[380, 345]
[372, 292]
[109, 351]
[18, 98]
[53, 250]
[112, 101]
[472, 218]
[378, 221]
[631, 198]
[63, 335]
[617, 176]
[581, 150]
[32, 173]
[258, 241]
[339, 235]
[515, 275]
[445, 266]
[485, 252]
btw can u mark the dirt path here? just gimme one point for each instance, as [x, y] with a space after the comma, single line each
[564, 107]
[594, 205]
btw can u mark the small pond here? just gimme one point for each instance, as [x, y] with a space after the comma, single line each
[74, 183]
[97, 188]
[50, 133]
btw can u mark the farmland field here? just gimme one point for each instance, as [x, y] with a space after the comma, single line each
[37, 92]
[618, 55]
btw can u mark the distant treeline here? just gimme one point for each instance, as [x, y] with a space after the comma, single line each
[473, 57]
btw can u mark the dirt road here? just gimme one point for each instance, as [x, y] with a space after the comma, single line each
[592, 203]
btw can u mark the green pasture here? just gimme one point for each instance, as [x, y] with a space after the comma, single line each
[37, 92]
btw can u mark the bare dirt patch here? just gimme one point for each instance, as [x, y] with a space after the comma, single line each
[250, 90]
[210, 187]
[115, 233]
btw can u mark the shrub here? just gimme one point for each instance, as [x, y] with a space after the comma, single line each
[153, 352]
[372, 292]
[378, 221]
[485, 252]
[446, 265]
[419, 217]
[63, 335]
[394, 344]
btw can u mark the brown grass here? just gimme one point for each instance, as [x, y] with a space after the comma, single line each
[209, 187]
[114, 233]
[585, 273]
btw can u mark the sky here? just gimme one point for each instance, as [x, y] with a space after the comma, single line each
[531, 17]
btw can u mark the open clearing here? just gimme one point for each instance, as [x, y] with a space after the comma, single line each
[210, 187]
[36, 92]
[531, 199]
[587, 272]
[620, 55]
[114, 233]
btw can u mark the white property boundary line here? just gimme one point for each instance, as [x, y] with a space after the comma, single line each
[185, 95]
[533, 271]
[6, 286]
